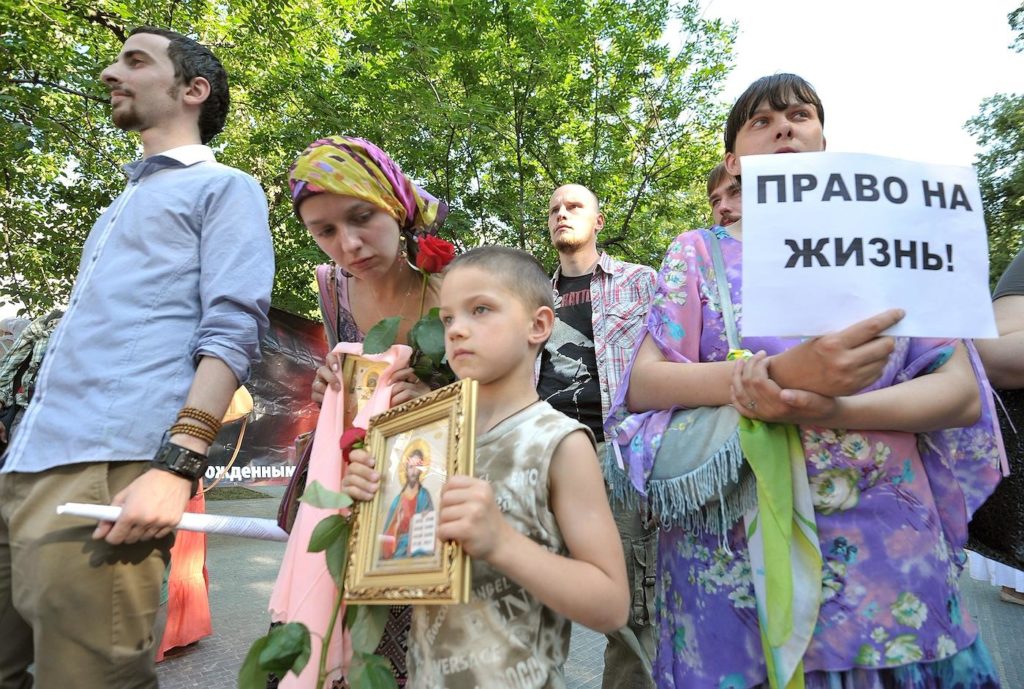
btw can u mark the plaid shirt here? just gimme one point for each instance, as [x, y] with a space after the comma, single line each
[620, 296]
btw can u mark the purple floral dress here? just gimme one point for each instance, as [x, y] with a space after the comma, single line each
[891, 508]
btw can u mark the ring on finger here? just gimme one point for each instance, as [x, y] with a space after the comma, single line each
[751, 405]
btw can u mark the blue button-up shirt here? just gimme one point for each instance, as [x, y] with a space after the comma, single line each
[179, 267]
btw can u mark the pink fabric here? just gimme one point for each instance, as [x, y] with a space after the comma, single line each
[304, 591]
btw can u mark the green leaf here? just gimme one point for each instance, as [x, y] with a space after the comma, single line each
[318, 496]
[423, 367]
[252, 675]
[328, 531]
[369, 671]
[380, 674]
[429, 334]
[287, 649]
[337, 556]
[369, 627]
[381, 336]
[350, 615]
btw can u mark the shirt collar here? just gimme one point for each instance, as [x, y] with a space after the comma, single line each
[189, 154]
[604, 262]
[185, 156]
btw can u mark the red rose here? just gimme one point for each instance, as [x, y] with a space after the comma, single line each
[433, 254]
[352, 439]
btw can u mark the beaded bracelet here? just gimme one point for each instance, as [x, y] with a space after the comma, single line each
[200, 416]
[194, 431]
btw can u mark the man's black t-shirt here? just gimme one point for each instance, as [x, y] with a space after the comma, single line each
[568, 366]
[1012, 281]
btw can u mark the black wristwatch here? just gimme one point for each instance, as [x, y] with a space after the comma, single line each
[180, 461]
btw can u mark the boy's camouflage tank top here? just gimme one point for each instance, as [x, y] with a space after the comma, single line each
[504, 637]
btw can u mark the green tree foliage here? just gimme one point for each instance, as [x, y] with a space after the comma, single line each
[489, 103]
[999, 128]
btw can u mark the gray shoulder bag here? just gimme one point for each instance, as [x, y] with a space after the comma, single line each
[699, 479]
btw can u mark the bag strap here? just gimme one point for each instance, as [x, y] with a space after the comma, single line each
[327, 281]
[724, 298]
[234, 456]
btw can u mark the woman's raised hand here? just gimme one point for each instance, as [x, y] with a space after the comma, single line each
[328, 375]
[839, 363]
[406, 385]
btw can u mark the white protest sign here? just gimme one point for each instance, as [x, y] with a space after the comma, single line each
[832, 238]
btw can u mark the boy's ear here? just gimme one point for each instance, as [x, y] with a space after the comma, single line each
[732, 164]
[540, 328]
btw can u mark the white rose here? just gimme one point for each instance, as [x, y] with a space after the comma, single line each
[856, 446]
[909, 610]
[675, 279]
[835, 490]
[903, 650]
[945, 647]
[868, 656]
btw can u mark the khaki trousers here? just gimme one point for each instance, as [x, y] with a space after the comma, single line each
[630, 650]
[82, 610]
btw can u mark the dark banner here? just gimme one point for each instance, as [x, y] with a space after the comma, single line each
[282, 410]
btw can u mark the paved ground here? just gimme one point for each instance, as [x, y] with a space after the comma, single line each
[242, 573]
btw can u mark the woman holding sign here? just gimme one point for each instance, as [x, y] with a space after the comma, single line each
[838, 566]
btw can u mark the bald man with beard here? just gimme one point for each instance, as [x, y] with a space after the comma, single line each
[601, 307]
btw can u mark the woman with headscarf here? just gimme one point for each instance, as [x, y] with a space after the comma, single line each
[368, 217]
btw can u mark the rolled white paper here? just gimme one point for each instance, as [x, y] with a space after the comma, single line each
[247, 527]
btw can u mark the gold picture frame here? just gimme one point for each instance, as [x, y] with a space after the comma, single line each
[396, 555]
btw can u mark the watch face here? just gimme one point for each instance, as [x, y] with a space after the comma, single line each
[181, 461]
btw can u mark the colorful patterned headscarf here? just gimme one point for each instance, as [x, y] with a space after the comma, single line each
[350, 166]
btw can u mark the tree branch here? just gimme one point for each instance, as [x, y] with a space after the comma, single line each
[170, 13]
[36, 81]
[104, 19]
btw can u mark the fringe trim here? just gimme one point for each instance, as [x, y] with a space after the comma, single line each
[711, 498]
[622, 494]
[718, 516]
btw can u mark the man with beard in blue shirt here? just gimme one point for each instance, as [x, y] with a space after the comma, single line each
[163, 324]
